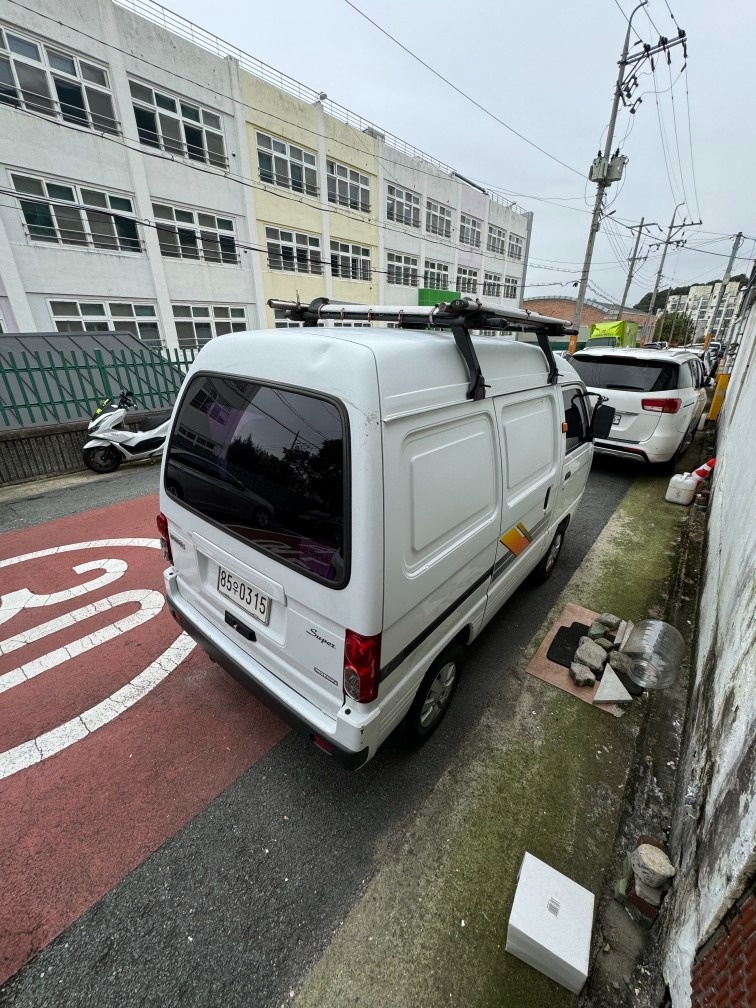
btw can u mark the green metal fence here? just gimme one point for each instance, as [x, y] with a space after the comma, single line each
[55, 387]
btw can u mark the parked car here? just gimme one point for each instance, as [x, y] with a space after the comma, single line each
[658, 397]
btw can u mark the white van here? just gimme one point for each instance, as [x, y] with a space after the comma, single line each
[344, 510]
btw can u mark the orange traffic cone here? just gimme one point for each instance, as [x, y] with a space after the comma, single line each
[703, 471]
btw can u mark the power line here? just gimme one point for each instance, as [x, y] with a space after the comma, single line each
[252, 108]
[460, 91]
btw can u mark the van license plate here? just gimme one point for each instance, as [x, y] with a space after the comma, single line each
[250, 599]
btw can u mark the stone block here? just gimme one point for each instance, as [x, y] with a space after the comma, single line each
[647, 892]
[582, 675]
[589, 653]
[597, 629]
[610, 621]
[651, 865]
[621, 662]
[605, 643]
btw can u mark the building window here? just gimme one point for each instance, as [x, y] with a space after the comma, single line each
[510, 287]
[514, 250]
[467, 280]
[403, 206]
[286, 165]
[492, 284]
[193, 234]
[436, 275]
[48, 81]
[281, 322]
[497, 240]
[61, 213]
[178, 126]
[108, 316]
[437, 219]
[469, 231]
[402, 269]
[292, 251]
[348, 187]
[351, 262]
[198, 324]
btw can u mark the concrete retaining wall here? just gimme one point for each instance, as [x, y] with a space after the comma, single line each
[714, 829]
[52, 450]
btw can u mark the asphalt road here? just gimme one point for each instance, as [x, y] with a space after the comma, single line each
[238, 904]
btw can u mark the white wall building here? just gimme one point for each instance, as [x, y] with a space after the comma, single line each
[130, 177]
[699, 304]
[80, 120]
[455, 236]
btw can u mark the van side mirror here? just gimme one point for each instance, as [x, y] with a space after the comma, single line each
[602, 420]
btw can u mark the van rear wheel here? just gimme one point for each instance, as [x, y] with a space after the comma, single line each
[434, 696]
[546, 567]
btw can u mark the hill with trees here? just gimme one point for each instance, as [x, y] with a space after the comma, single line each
[662, 295]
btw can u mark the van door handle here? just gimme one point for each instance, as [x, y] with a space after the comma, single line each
[567, 474]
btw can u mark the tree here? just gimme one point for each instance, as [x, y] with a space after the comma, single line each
[674, 327]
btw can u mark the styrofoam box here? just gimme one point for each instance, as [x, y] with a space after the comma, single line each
[550, 924]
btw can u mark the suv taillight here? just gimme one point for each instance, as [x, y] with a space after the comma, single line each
[662, 405]
[165, 542]
[361, 666]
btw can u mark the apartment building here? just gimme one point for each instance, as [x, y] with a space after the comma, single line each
[162, 182]
[699, 304]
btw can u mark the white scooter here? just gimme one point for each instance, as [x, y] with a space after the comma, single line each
[112, 443]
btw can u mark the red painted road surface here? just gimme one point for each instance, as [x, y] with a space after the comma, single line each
[129, 774]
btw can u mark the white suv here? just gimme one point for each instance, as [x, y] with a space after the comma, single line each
[658, 398]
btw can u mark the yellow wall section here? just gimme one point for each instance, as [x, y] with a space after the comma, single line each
[288, 118]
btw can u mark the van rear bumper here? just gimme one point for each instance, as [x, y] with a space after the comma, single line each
[189, 624]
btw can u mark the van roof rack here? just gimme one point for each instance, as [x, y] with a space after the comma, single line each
[460, 315]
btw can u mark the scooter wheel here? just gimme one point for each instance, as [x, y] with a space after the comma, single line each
[102, 460]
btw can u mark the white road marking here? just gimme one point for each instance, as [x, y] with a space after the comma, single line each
[14, 602]
[150, 602]
[33, 751]
[54, 741]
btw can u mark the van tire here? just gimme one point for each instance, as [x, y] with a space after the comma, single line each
[545, 568]
[434, 696]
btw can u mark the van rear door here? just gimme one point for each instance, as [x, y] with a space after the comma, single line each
[261, 528]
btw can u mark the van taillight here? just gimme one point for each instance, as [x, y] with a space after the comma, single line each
[662, 405]
[165, 542]
[361, 666]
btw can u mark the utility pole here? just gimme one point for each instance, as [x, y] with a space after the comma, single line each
[630, 272]
[725, 280]
[666, 243]
[608, 168]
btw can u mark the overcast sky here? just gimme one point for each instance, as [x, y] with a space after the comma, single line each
[547, 68]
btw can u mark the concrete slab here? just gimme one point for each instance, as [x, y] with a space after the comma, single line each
[610, 689]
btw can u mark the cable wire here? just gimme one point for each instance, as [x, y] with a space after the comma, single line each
[459, 91]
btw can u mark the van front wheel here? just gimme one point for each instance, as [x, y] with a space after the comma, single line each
[434, 696]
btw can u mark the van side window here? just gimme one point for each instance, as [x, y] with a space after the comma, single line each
[576, 416]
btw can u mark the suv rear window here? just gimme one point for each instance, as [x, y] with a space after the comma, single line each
[268, 465]
[626, 373]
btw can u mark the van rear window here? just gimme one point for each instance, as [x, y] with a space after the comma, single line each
[268, 465]
[626, 373]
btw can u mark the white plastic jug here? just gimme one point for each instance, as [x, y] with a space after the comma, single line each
[682, 488]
